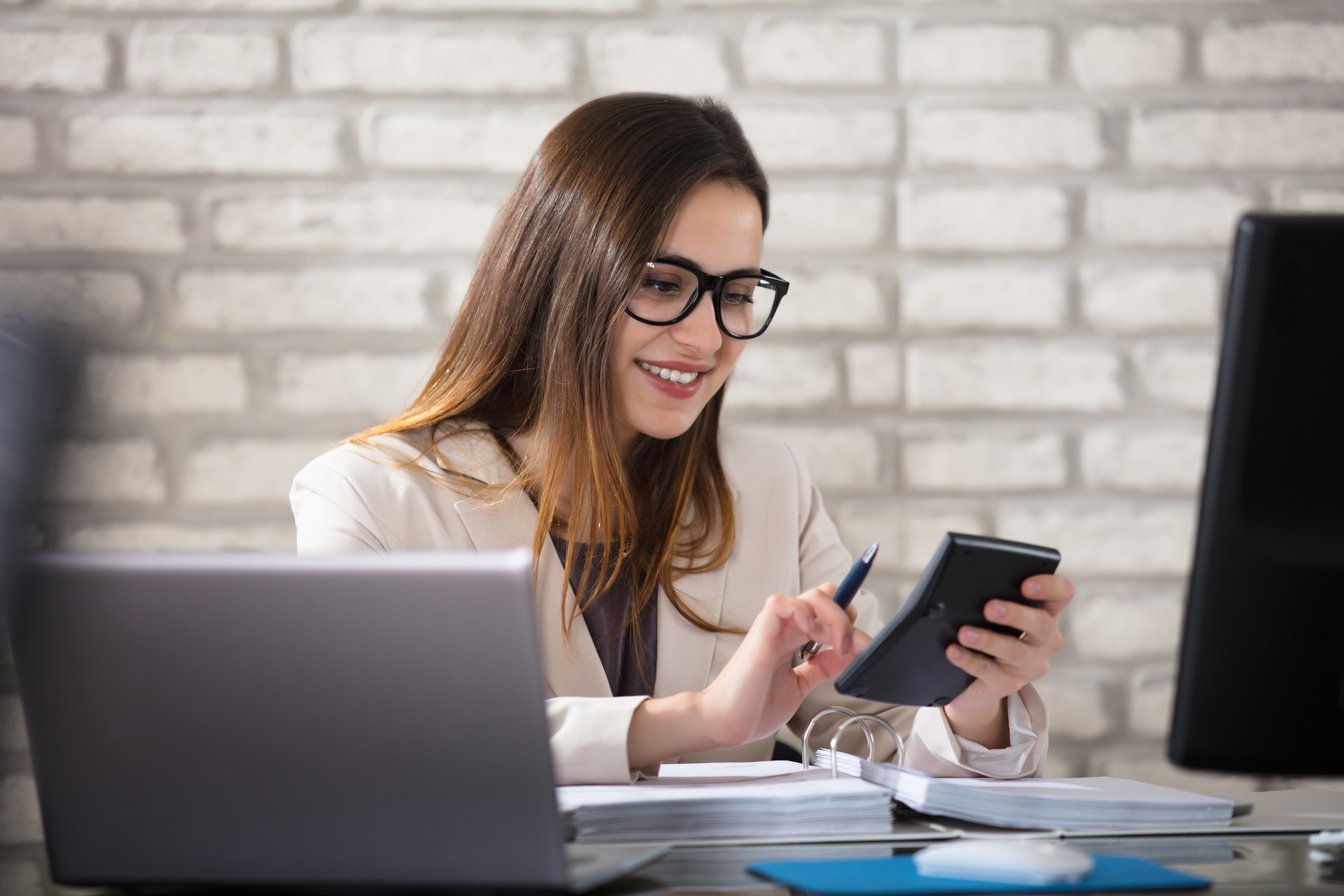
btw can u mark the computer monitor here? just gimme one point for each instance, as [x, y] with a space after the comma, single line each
[1260, 688]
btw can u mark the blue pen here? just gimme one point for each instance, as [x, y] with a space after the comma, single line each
[848, 588]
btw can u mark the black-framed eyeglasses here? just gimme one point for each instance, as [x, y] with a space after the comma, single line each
[668, 291]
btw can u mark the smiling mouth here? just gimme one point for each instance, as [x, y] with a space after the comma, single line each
[681, 377]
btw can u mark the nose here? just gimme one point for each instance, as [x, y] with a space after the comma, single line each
[699, 331]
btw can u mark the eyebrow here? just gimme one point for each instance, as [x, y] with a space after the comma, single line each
[682, 259]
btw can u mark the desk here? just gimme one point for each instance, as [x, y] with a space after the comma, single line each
[1268, 865]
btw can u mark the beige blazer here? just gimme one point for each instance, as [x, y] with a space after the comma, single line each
[393, 497]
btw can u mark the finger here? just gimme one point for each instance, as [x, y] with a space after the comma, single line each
[994, 676]
[1006, 649]
[1054, 592]
[1037, 625]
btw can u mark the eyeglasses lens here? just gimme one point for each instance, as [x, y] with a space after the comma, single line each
[665, 290]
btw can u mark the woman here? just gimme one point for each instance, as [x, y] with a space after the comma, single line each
[576, 408]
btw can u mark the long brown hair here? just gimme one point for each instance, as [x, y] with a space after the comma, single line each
[528, 351]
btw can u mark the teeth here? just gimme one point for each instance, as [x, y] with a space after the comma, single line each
[676, 376]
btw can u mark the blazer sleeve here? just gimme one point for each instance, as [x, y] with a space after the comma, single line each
[931, 745]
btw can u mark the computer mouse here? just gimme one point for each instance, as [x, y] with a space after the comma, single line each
[1032, 862]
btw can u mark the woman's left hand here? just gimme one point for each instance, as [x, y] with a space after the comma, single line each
[1002, 664]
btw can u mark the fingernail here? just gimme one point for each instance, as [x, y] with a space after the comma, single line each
[1031, 588]
[971, 635]
[995, 610]
[954, 652]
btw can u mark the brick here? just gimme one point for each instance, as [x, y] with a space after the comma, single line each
[286, 143]
[994, 297]
[101, 300]
[113, 224]
[838, 457]
[198, 6]
[831, 300]
[64, 61]
[1181, 375]
[180, 61]
[429, 59]
[1150, 700]
[1013, 376]
[165, 386]
[908, 531]
[464, 140]
[1166, 217]
[133, 536]
[1140, 298]
[964, 55]
[1109, 57]
[1170, 459]
[1115, 538]
[114, 471]
[873, 373]
[982, 219]
[1077, 701]
[840, 217]
[18, 800]
[1005, 139]
[491, 6]
[1274, 51]
[815, 52]
[1236, 139]
[783, 376]
[978, 463]
[397, 222]
[622, 59]
[353, 383]
[245, 471]
[1308, 199]
[18, 145]
[355, 299]
[1124, 623]
[1151, 765]
[798, 137]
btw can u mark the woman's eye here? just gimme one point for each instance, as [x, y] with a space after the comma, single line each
[738, 298]
[662, 287]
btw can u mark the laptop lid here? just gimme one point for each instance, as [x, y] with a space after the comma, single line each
[276, 720]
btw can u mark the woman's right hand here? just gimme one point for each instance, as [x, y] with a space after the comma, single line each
[759, 689]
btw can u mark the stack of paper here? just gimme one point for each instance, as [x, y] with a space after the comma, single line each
[687, 807]
[1050, 803]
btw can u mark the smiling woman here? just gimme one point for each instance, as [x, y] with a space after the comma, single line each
[575, 408]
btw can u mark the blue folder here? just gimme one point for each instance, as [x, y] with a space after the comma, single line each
[897, 874]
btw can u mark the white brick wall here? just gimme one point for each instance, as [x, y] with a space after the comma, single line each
[1274, 51]
[174, 60]
[196, 144]
[1113, 57]
[428, 59]
[109, 223]
[1006, 226]
[352, 299]
[54, 60]
[1008, 138]
[968, 55]
[401, 223]
[982, 218]
[674, 61]
[18, 144]
[1000, 297]
[815, 52]
[1012, 376]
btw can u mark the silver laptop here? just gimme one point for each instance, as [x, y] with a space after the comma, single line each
[257, 720]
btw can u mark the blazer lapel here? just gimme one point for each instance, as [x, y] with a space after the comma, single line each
[572, 667]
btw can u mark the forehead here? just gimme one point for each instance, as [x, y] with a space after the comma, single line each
[718, 226]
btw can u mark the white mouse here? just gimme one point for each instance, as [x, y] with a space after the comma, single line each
[1032, 862]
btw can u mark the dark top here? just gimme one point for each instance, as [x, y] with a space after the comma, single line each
[621, 649]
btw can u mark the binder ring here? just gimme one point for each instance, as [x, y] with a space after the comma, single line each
[863, 719]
